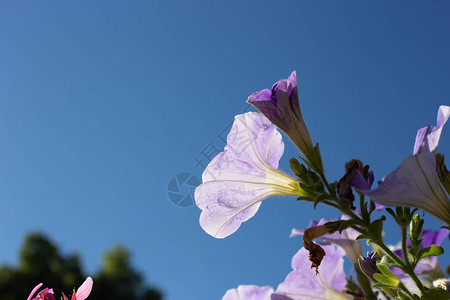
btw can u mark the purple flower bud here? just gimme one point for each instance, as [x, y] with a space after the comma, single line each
[369, 264]
[280, 105]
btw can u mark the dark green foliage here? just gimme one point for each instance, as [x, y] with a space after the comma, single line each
[119, 281]
[41, 261]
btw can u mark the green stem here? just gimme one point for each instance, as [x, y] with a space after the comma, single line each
[407, 269]
[325, 181]
[404, 248]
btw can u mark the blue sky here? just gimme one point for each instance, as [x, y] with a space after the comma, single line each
[103, 102]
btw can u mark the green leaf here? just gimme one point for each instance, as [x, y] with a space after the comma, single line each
[433, 250]
[385, 270]
[389, 261]
[346, 224]
[361, 237]
[386, 280]
[376, 229]
[402, 295]
[306, 198]
[392, 213]
[372, 207]
[295, 167]
[319, 199]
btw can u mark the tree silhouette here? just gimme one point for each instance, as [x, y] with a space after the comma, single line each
[41, 261]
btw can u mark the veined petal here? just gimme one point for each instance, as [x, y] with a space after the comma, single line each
[85, 289]
[249, 292]
[428, 137]
[303, 284]
[414, 184]
[236, 180]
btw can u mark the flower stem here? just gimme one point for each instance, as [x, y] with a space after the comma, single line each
[404, 247]
[406, 268]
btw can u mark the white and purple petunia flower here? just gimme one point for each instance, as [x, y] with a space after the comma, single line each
[303, 284]
[415, 183]
[239, 178]
[249, 292]
[280, 105]
[347, 239]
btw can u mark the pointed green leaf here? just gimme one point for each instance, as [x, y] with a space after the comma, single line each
[386, 280]
[346, 224]
[433, 250]
[376, 229]
[319, 199]
[389, 261]
[401, 295]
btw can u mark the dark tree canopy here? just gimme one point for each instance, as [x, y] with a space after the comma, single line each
[41, 261]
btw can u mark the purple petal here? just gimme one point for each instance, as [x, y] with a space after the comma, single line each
[414, 184]
[431, 237]
[236, 180]
[302, 282]
[428, 137]
[280, 105]
[358, 181]
[249, 292]
[227, 204]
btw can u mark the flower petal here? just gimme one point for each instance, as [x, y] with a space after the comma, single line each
[236, 180]
[414, 184]
[280, 105]
[36, 288]
[85, 289]
[428, 137]
[302, 282]
[249, 292]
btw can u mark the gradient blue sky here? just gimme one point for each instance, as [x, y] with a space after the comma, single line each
[102, 102]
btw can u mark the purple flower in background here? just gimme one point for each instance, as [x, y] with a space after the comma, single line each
[415, 183]
[346, 239]
[249, 292]
[280, 105]
[239, 178]
[428, 137]
[428, 264]
[303, 284]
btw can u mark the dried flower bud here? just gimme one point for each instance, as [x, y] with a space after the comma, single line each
[344, 189]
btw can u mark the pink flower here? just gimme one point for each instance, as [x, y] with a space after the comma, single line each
[83, 291]
[47, 294]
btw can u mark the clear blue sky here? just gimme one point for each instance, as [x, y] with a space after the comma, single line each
[102, 102]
